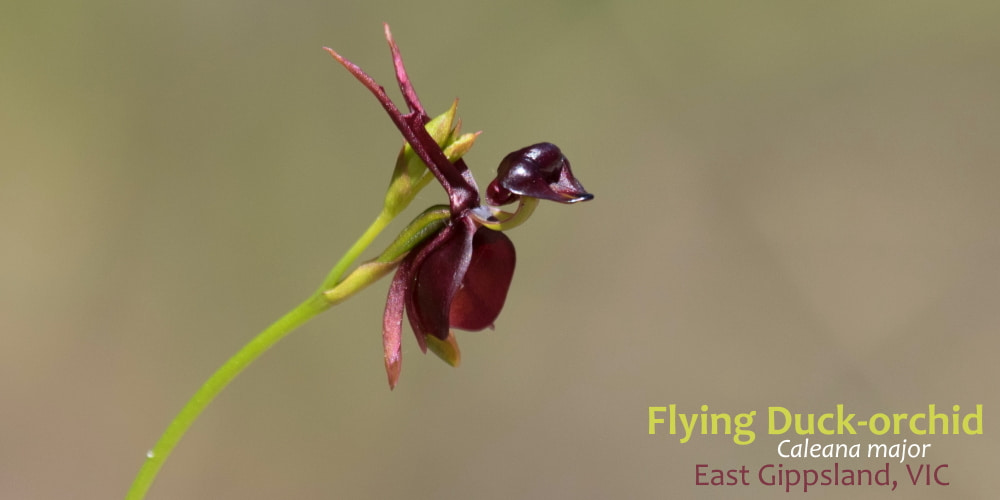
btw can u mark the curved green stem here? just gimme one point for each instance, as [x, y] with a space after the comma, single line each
[335, 289]
[214, 385]
[305, 311]
[407, 181]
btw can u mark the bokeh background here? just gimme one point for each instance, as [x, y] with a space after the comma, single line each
[796, 205]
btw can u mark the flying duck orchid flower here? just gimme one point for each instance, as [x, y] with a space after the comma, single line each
[453, 264]
[458, 278]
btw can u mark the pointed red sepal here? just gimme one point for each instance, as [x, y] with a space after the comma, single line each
[453, 177]
[392, 323]
[405, 86]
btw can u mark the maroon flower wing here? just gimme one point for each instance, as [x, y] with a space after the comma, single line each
[437, 275]
[487, 280]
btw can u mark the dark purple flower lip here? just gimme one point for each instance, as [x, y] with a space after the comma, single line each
[539, 171]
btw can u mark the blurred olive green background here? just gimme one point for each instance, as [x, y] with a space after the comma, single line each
[796, 204]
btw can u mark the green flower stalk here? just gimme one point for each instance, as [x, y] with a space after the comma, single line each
[335, 288]
[453, 264]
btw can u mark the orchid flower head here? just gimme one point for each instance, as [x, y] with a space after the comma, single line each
[458, 277]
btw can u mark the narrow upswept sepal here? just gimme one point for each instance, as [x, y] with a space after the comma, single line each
[410, 174]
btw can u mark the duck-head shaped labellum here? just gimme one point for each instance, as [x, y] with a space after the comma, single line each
[539, 171]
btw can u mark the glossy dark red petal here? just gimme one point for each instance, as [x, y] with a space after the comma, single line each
[481, 296]
[437, 275]
[416, 258]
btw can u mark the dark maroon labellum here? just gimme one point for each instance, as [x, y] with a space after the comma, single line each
[539, 171]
